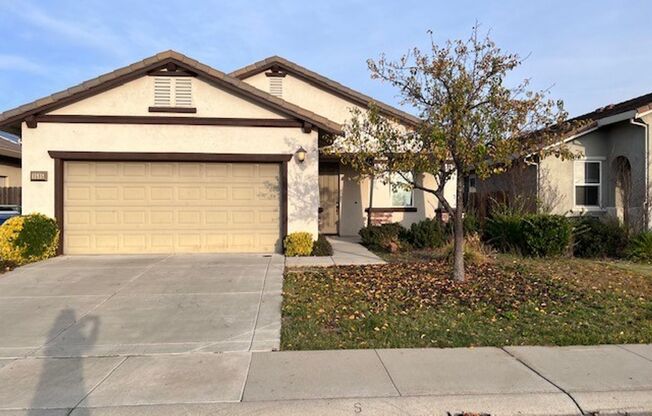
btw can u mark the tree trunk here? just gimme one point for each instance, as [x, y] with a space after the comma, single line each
[458, 230]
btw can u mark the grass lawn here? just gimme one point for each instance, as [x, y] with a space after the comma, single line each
[411, 302]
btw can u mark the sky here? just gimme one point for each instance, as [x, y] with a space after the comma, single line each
[589, 53]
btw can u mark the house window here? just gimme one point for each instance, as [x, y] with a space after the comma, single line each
[587, 179]
[401, 191]
[173, 92]
[472, 180]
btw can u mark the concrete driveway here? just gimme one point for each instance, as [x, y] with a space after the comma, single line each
[132, 305]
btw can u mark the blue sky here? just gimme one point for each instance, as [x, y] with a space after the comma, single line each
[591, 53]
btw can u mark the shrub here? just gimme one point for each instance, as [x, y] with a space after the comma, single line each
[298, 244]
[595, 238]
[475, 252]
[28, 238]
[426, 234]
[504, 233]
[546, 235]
[322, 247]
[387, 237]
[640, 248]
[537, 235]
[471, 223]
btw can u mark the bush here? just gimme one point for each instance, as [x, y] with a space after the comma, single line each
[475, 252]
[322, 247]
[546, 235]
[640, 248]
[471, 224]
[387, 237]
[426, 234]
[536, 235]
[504, 233]
[595, 238]
[298, 244]
[28, 238]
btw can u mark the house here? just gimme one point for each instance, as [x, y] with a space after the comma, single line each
[171, 155]
[610, 177]
[10, 160]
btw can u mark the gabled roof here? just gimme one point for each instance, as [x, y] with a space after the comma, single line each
[128, 73]
[639, 104]
[324, 83]
[8, 147]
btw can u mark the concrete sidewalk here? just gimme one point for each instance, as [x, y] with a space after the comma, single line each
[510, 381]
[346, 251]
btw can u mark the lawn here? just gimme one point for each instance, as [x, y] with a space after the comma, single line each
[411, 302]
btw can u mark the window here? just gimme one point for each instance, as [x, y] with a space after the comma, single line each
[587, 179]
[401, 192]
[472, 180]
[173, 92]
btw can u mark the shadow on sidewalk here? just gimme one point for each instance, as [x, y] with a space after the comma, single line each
[66, 370]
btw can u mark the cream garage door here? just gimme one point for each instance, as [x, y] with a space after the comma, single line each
[157, 207]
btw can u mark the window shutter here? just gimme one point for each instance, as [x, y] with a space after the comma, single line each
[276, 86]
[183, 92]
[173, 92]
[162, 92]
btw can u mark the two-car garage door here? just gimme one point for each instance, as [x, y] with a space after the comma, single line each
[171, 207]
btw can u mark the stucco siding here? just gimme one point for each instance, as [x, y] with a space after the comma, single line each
[12, 173]
[135, 97]
[303, 194]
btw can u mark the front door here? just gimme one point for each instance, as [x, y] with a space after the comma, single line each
[329, 198]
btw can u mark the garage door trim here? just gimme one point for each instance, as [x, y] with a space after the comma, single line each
[61, 156]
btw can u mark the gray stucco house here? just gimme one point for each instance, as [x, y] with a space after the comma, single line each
[610, 177]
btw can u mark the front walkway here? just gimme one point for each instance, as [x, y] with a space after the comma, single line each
[346, 251]
[509, 381]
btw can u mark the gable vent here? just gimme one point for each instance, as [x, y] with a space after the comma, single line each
[173, 92]
[276, 86]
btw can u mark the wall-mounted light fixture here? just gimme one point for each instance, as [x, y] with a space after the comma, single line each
[301, 154]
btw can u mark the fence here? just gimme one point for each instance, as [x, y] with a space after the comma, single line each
[10, 195]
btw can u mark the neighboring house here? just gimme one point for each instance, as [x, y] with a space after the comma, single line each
[9, 160]
[171, 155]
[611, 177]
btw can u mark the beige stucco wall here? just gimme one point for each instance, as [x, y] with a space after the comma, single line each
[12, 173]
[556, 178]
[134, 98]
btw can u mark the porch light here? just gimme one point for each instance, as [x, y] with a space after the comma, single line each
[301, 154]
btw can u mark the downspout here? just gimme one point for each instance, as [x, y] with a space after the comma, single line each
[371, 200]
[647, 167]
[538, 185]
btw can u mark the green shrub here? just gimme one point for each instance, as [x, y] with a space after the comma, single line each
[640, 248]
[537, 235]
[298, 244]
[471, 224]
[546, 235]
[504, 233]
[387, 237]
[322, 247]
[28, 238]
[595, 238]
[426, 234]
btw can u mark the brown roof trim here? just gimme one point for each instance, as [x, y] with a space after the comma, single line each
[321, 81]
[171, 157]
[177, 120]
[158, 61]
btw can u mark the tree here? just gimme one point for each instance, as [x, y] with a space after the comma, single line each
[471, 121]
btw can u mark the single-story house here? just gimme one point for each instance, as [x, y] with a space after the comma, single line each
[10, 160]
[610, 177]
[171, 155]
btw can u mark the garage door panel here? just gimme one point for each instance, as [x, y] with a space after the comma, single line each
[159, 207]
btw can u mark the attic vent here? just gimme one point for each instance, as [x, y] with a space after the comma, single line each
[173, 92]
[276, 86]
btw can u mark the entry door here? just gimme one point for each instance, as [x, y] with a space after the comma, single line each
[329, 199]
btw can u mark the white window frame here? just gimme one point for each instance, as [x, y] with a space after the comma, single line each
[583, 161]
[391, 192]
